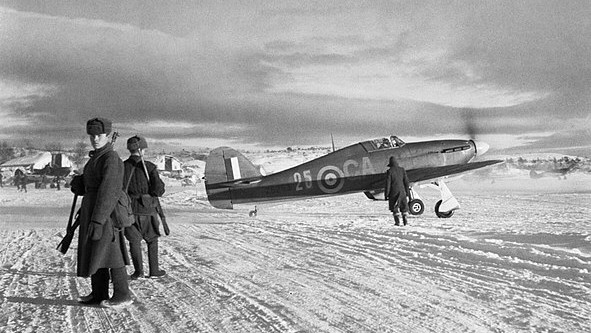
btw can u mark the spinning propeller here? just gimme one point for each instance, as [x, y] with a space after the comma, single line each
[472, 130]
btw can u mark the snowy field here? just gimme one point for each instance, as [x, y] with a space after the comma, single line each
[515, 258]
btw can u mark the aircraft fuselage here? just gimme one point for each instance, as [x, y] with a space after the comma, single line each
[356, 168]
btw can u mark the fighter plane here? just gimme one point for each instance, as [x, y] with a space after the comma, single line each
[560, 173]
[230, 178]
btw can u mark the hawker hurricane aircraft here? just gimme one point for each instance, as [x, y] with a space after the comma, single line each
[232, 179]
[560, 173]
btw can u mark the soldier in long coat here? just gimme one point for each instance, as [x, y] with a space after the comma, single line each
[102, 254]
[397, 191]
[144, 192]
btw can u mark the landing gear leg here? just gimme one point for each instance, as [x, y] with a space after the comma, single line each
[445, 207]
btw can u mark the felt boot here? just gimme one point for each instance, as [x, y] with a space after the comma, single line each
[405, 218]
[135, 249]
[155, 271]
[99, 283]
[396, 219]
[121, 295]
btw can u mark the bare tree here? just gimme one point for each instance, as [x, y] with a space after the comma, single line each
[28, 145]
[54, 147]
[6, 152]
[80, 152]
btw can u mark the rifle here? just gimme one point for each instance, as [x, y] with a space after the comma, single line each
[64, 245]
[158, 206]
[162, 217]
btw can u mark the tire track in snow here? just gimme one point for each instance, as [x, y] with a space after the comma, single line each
[451, 264]
[327, 271]
[306, 270]
[31, 294]
[237, 302]
[193, 297]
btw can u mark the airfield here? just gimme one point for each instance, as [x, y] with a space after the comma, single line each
[515, 258]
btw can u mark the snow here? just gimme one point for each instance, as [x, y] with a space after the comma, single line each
[515, 258]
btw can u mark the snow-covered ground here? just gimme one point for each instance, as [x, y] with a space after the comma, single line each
[515, 258]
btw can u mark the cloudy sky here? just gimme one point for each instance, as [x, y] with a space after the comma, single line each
[289, 73]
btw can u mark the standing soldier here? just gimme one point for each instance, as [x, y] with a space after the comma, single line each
[24, 179]
[16, 180]
[58, 179]
[102, 253]
[397, 191]
[144, 190]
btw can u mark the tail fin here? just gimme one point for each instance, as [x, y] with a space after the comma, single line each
[224, 165]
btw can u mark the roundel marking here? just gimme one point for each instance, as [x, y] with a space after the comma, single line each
[331, 179]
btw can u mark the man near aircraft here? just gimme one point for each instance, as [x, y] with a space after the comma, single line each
[143, 185]
[397, 191]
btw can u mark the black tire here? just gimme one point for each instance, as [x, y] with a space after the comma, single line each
[443, 215]
[416, 207]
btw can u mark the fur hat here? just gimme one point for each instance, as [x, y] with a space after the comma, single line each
[136, 142]
[97, 126]
[392, 162]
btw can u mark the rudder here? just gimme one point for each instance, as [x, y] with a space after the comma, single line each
[224, 165]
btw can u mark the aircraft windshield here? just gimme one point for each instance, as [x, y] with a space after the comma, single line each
[396, 141]
[384, 143]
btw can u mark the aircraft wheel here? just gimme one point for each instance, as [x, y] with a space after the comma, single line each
[253, 213]
[439, 214]
[416, 207]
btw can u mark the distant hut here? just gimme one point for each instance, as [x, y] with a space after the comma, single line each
[36, 163]
[169, 165]
[38, 166]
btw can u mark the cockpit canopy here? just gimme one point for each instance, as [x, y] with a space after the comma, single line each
[383, 143]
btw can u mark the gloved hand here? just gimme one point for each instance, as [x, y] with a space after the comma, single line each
[77, 185]
[96, 230]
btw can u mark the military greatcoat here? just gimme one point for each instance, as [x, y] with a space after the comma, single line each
[143, 196]
[397, 189]
[103, 178]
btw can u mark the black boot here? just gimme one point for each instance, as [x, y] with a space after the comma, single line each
[135, 249]
[397, 219]
[121, 295]
[99, 282]
[155, 271]
[404, 218]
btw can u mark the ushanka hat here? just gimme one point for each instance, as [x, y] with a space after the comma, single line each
[136, 142]
[392, 161]
[97, 126]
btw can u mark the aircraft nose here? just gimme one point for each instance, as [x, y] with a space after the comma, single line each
[481, 147]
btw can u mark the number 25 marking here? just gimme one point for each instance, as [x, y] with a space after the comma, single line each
[307, 180]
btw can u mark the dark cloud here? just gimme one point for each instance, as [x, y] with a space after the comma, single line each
[543, 45]
[97, 61]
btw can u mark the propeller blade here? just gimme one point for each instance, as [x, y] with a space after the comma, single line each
[470, 124]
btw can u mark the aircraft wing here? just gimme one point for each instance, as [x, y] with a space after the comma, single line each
[423, 174]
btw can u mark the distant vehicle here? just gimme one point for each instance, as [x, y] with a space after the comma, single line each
[231, 179]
